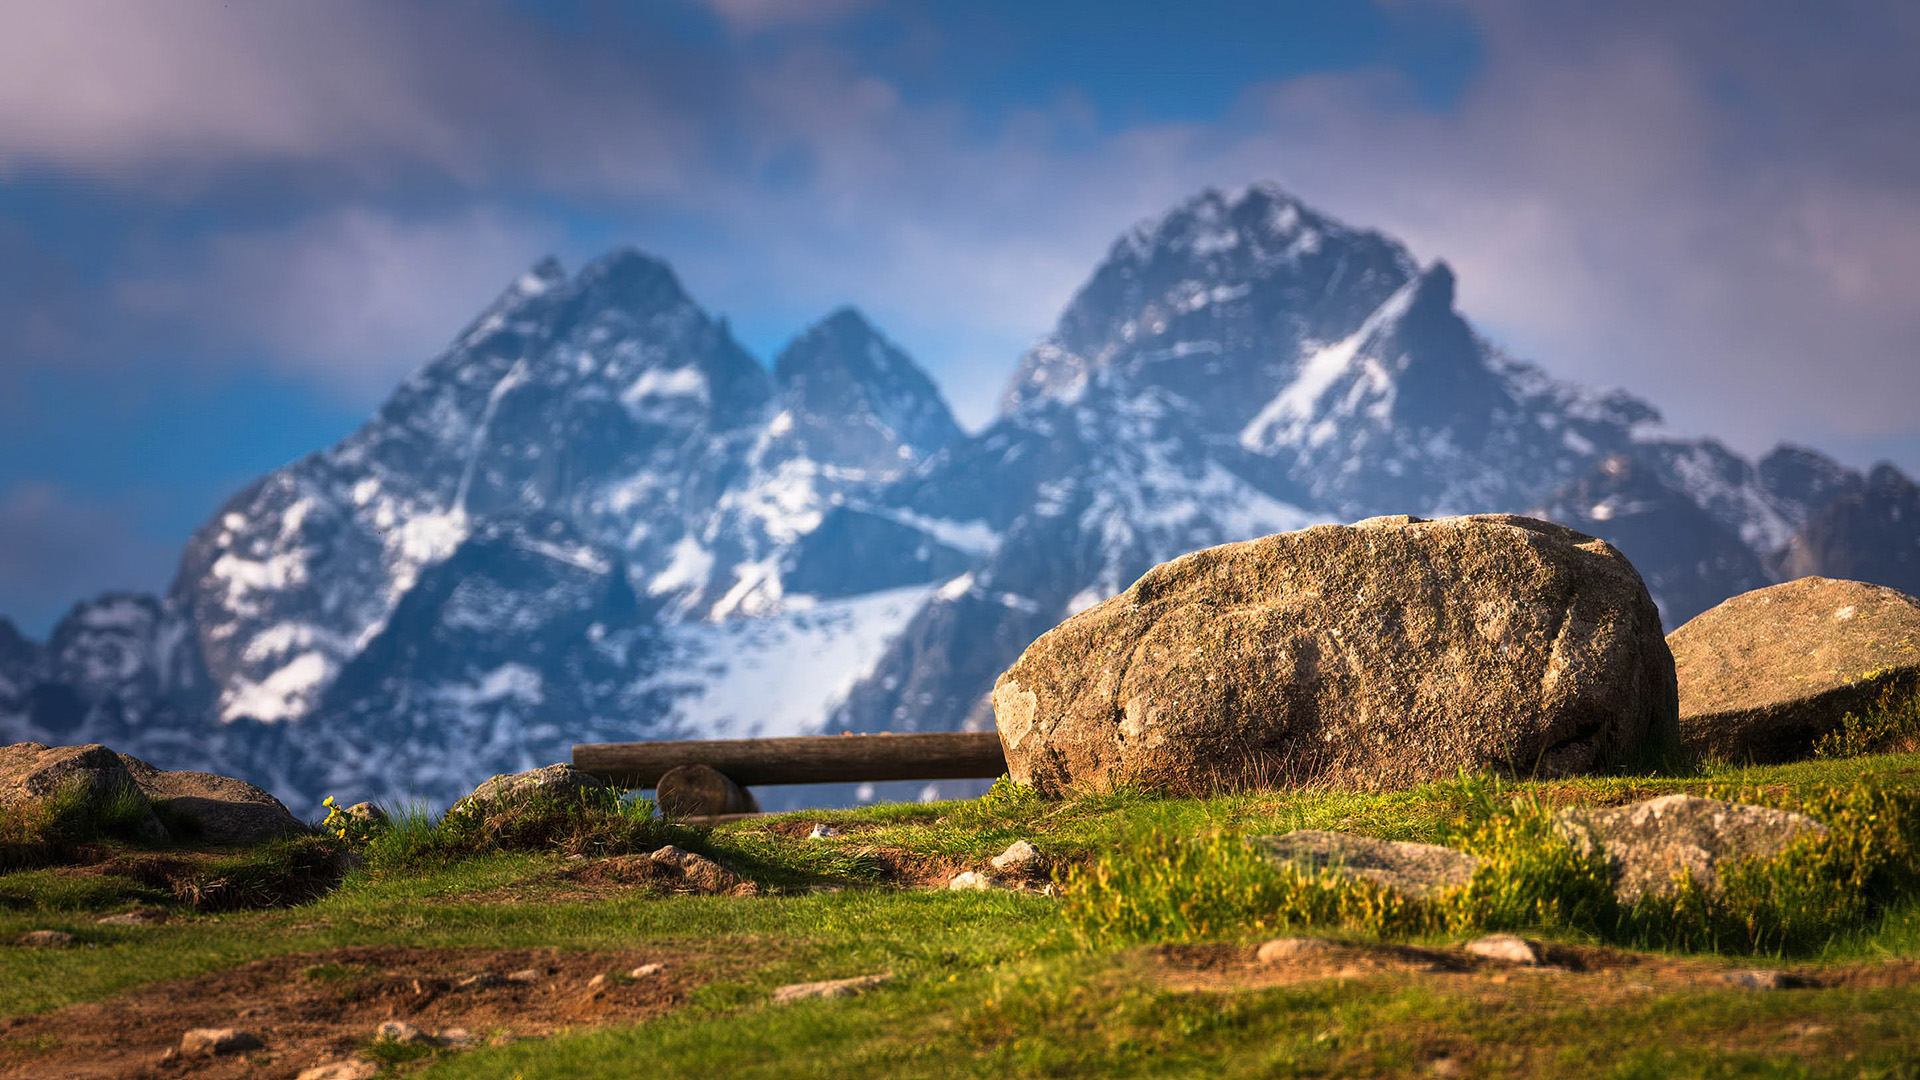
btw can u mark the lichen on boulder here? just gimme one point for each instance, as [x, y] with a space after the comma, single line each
[1382, 654]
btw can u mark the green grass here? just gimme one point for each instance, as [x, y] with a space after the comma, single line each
[999, 984]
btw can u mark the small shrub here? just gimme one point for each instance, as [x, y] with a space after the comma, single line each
[1892, 725]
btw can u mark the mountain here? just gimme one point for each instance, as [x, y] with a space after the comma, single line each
[596, 517]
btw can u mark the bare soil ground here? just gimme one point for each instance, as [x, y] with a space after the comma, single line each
[319, 1007]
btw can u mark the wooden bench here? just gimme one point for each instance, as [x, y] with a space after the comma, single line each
[711, 777]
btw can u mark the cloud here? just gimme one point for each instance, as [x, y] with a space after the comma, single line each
[55, 547]
[356, 297]
[755, 15]
[1716, 205]
[167, 96]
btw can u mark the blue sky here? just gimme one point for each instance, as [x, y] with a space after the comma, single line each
[226, 230]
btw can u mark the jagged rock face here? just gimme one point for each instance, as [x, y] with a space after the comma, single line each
[1389, 653]
[1689, 559]
[854, 398]
[1870, 534]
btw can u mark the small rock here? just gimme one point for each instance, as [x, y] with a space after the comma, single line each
[646, 971]
[1417, 870]
[972, 879]
[576, 857]
[823, 832]
[1505, 948]
[1443, 1067]
[351, 1069]
[45, 939]
[697, 870]
[524, 975]
[399, 1031]
[455, 1038]
[1280, 950]
[219, 1041]
[1020, 857]
[1759, 979]
[561, 781]
[596, 987]
[832, 988]
[484, 980]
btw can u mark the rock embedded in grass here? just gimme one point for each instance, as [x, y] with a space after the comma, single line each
[1021, 858]
[831, 988]
[219, 1041]
[45, 939]
[972, 880]
[1282, 950]
[1765, 675]
[1506, 949]
[1651, 845]
[1382, 654]
[1417, 870]
[559, 781]
[399, 1031]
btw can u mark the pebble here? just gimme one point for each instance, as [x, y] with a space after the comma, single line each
[1280, 950]
[972, 879]
[1760, 979]
[524, 975]
[482, 981]
[219, 1041]
[1020, 857]
[455, 1037]
[823, 832]
[1506, 949]
[832, 988]
[646, 971]
[399, 1031]
[43, 939]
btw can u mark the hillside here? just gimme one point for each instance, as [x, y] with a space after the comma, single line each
[504, 942]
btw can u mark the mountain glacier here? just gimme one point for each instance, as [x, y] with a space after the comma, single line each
[596, 517]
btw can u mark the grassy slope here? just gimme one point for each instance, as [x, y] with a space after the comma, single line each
[998, 984]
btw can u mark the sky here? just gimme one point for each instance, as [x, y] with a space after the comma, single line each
[229, 227]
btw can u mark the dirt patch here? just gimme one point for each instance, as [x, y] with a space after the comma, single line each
[318, 1007]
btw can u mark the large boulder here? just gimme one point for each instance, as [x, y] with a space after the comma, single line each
[1767, 673]
[1381, 654]
[31, 771]
[1652, 846]
[219, 809]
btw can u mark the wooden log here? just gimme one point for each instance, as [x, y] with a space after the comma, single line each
[809, 759]
[702, 791]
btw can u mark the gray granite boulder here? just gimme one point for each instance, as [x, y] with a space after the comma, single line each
[1652, 845]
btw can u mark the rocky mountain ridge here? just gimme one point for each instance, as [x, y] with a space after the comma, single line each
[596, 516]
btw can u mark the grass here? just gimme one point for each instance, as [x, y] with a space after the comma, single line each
[1020, 985]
